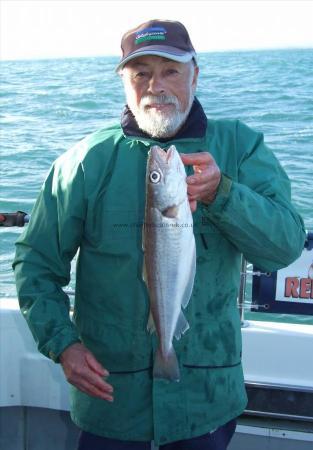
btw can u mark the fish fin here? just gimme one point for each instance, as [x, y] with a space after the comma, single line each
[151, 324]
[182, 326]
[166, 366]
[189, 284]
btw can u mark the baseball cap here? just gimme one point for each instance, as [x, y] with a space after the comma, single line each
[166, 38]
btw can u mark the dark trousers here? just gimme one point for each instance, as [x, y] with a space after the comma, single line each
[218, 440]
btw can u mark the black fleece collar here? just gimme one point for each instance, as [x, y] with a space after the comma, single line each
[194, 127]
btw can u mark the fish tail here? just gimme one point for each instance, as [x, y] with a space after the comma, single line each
[166, 366]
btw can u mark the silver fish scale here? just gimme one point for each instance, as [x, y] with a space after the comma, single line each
[164, 280]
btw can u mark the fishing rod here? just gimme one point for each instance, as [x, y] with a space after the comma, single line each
[17, 219]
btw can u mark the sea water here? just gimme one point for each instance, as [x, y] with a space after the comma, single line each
[48, 105]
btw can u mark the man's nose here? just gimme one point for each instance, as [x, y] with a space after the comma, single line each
[156, 85]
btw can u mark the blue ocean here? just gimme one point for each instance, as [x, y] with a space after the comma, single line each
[48, 105]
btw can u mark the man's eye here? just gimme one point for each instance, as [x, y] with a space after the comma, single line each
[171, 71]
[141, 75]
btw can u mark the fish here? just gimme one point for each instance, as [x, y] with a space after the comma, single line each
[169, 264]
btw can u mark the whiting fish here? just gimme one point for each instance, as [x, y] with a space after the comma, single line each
[169, 254]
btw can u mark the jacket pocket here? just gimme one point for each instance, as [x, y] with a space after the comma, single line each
[207, 236]
[215, 345]
[120, 348]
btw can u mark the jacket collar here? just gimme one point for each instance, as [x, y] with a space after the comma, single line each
[194, 126]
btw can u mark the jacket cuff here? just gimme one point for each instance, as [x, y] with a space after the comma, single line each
[221, 197]
[53, 348]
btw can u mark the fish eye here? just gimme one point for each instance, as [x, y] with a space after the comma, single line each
[155, 176]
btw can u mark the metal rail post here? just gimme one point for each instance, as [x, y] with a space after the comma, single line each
[242, 290]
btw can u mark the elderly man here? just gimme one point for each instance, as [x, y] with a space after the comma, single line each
[240, 198]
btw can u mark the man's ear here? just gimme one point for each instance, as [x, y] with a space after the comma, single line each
[195, 77]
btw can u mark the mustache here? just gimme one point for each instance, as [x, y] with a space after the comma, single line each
[159, 100]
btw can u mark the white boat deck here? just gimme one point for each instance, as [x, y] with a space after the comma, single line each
[279, 354]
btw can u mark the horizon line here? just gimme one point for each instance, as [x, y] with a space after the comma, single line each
[230, 50]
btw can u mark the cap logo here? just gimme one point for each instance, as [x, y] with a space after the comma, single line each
[150, 34]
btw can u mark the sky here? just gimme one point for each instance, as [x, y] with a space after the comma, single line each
[32, 29]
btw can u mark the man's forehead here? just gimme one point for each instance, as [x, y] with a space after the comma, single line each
[150, 60]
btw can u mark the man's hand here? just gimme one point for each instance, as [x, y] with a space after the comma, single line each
[203, 184]
[83, 371]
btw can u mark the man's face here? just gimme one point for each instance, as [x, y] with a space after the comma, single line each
[159, 93]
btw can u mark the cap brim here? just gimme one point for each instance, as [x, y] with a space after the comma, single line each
[158, 50]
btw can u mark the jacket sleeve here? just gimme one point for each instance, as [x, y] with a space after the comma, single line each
[254, 211]
[43, 257]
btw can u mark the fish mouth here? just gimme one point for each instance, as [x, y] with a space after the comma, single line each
[170, 212]
[162, 155]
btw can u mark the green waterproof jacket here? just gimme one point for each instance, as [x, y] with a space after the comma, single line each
[93, 200]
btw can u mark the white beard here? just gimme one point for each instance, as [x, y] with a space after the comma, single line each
[159, 124]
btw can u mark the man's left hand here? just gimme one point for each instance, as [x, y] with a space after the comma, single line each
[203, 184]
